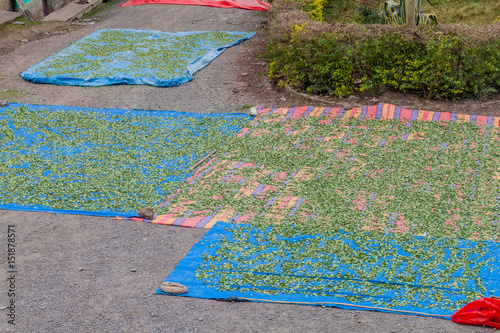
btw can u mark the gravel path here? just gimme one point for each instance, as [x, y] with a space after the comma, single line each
[93, 274]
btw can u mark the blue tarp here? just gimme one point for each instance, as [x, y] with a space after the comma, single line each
[127, 56]
[353, 270]
[107, 162]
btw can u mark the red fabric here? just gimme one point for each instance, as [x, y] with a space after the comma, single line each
[484, 311]
[243, 4]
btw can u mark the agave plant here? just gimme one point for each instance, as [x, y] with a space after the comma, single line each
[396, 13]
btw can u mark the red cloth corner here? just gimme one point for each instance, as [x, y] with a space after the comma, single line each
[243, 4]
[484, 311]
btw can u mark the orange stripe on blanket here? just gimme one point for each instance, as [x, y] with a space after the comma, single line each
[317, 111]
[463, 118]
[219, 217]
[496, 122]
[390, 114]
[385, 110]
[167, 219]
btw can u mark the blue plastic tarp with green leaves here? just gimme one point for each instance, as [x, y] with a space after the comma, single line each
[128, 56]
[361, 270]
[107, 162]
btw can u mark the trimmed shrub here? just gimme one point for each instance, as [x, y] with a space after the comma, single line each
[451, 61]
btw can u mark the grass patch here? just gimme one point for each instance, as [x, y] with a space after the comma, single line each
[341, 11]
[27, 23]
[14, 27]
[245, 107]
[11, 94]
[471, 12]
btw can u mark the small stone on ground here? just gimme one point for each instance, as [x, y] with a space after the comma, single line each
[173, 288]
[147, 213]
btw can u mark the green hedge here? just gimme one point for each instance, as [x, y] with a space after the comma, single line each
[443, 62]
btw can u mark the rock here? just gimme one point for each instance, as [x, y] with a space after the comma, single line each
[244, 74]
[24, 40]
[19, 23]
[173, 288]
[283, 98]
[147, 213]
[3, 307]
[3, 103]
[253, 111]
[80, 269]
[133, 270]
[235, 90]
[353, 97]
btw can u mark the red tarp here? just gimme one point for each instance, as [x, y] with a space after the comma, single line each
[243, 4]
[484, 311]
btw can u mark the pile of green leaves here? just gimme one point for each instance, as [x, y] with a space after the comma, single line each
[423, 178]
[109, 53]
[422, 189]
[95, 159]
[340, 60]
[385, 270]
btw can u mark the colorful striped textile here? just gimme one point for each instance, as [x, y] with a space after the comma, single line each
[379, 167]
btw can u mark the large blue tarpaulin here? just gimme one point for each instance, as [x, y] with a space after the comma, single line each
[109, 162]
[353, 270]
[127, 56]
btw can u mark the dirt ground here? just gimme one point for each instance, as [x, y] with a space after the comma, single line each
[93, 274]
